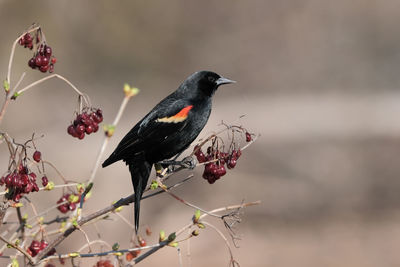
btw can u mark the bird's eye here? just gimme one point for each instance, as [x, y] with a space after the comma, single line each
[211, 79]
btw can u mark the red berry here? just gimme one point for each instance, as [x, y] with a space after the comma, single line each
[232, 163]
[71, 131]
[17, 197]
[80, 129]
[89, 129]
[63, 208]
[47, 51]
[28, 188]
[81, 136]
[38, 60]
[37, 156]
[35, 187]
[33, 176]
[8, 180]
[45, 61]
[24, 179]
[221, 171]
[141, 241]
[238, 153]
[72, 206]
[41, 49]
[95, 127]
[53, 60]
[45, 181]
[43, 244]
[95, 117]
[44, 68]
[32, 63]
[28, 38]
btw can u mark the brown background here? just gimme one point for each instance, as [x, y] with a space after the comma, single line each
[317, 79]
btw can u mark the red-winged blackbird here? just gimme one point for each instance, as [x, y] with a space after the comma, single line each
[168, 129]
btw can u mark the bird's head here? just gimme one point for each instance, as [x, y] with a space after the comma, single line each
[204, 83]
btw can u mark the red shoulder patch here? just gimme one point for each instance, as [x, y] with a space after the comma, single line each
[178, 117]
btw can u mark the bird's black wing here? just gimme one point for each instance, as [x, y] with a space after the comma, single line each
[167, 117]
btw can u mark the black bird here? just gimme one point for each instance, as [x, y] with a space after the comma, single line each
[168, 129]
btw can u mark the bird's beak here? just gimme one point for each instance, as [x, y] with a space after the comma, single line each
[223, 80]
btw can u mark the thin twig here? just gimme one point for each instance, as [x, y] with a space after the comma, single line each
[31, 260]
[47, 78]
[13, 51]
[165, 188]
[223, 237]
[107, 138]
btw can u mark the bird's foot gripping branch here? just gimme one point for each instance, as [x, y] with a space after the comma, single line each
[31, 231]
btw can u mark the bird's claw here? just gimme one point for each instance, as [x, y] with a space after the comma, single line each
[189, 162]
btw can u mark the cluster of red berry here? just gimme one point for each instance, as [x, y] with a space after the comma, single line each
[37, 246]
[27, 41]
[215, 170]
[85, 123]
[104, 263]
[43, 59]
[22, 181]
[70, 202]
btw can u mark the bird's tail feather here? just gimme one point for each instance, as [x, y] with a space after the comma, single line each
[140, 172]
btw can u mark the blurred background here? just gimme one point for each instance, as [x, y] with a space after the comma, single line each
[317, 79]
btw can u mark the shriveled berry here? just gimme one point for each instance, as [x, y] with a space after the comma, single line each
[51, 68]
[141, 241]
[45, 181]
[37, 156]
[248, 137]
